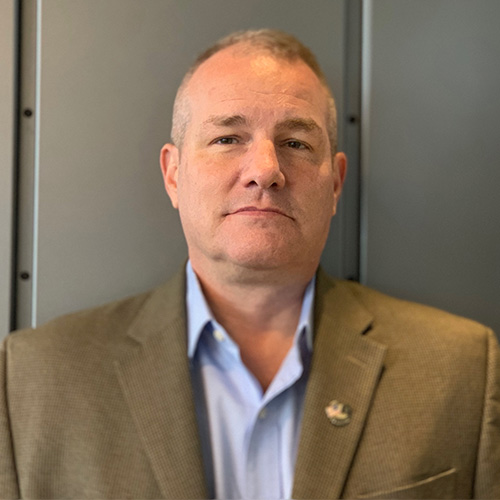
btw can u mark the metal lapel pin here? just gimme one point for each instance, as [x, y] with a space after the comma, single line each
[338, 413]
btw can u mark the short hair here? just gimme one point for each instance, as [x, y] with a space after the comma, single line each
[279, 44]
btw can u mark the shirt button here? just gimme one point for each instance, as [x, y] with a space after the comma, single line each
[263, 414]
[218, 335]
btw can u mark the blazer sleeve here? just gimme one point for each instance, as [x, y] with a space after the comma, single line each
[8, 477]
[487, 482]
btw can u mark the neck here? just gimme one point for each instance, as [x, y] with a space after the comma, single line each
[261, 315]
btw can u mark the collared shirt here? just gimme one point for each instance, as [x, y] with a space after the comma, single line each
[249, 438]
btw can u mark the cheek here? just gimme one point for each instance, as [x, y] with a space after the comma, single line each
[208, 185]
[318, 188]
[199, 200]
[320, 204]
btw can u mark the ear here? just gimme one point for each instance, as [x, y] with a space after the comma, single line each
[339, 171]
[169, 161]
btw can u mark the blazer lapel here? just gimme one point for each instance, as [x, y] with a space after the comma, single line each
[153, 372]
[346, 367]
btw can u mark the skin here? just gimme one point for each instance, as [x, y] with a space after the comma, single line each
[256, 187]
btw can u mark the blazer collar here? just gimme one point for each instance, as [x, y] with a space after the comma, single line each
[346, 367]
[153, 372]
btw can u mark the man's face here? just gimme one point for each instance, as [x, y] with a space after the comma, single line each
[255, 182]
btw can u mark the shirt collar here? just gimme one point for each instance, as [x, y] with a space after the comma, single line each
[199, 314]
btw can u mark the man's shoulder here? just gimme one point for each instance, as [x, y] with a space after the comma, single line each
[396, 308]
[74, 358]
[108, 319]
[99, 326]
[430, 344]
[392, 316]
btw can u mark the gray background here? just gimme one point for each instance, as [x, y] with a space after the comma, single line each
[94, 222]
[432, 167]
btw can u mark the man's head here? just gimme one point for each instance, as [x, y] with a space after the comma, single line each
[256, 184]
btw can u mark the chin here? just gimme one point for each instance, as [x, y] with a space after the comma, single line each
[271, 259]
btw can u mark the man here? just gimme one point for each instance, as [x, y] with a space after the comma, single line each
[252, 374]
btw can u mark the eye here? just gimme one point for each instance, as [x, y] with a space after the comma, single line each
[225, 140]
[296, 145]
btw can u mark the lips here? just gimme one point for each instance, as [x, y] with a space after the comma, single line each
[251, 210]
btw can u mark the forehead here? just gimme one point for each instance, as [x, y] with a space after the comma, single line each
[258, 86]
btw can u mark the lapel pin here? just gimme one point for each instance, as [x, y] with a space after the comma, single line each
[339, 414]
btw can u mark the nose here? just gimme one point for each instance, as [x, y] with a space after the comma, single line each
[262, 166]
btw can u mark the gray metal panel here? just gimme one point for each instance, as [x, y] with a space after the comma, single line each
[109, 72]
[28, 147]
[7, 108]
[346, 223]
[431, 164]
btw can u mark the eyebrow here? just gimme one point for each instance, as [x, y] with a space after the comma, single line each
[304, 124]
[307, 125]
[225, 121]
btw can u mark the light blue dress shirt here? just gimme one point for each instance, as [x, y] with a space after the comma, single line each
[249, 438]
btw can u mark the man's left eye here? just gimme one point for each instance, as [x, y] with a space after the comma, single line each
[296, 145]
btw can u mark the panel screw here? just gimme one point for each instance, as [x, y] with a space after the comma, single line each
[25, 275]
[353, 119]
[28, 112]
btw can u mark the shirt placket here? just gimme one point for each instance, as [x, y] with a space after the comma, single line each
[263, 462]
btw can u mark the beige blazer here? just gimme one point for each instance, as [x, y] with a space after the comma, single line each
[98, 404]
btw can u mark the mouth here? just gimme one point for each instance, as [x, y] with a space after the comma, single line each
[259, 211]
